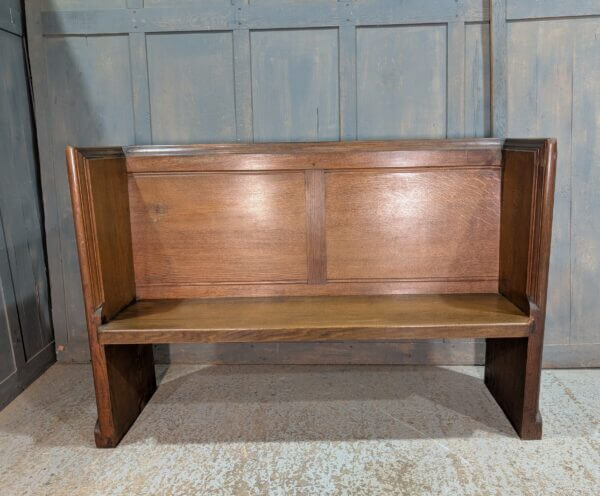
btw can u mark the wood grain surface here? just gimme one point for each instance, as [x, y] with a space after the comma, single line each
[316, 319]
[361, 244]
[328, 155]
[212, 228]
[419, 224]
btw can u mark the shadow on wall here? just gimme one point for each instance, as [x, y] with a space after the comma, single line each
[204, 404]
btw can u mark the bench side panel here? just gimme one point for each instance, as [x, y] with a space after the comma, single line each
[124, 377]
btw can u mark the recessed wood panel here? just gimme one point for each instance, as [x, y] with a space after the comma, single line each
[477, 77]
[540, 85]
[440, 224]
[585, 229]
[401, 81]
[295, 85]
[191, 87]
[216, 228]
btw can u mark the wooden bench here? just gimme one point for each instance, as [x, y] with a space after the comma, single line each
[313, 242]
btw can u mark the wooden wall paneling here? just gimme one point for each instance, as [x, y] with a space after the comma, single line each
[45, 139]
[585, 227]
[20, 205]
[522, 85]
[10, 17]
[242, 74]
[50, 5]
[554, 92]
[89, 79]
[26, 337]
[498, 61]
[477, 80]
[12, 354]
[295, 88]
[456, 85]
[118, 17]
[16, 370]
[140, 88]
[544, 39]
[516, 9]
[182, 3]
[190, 102]
[100, 18]
[95, 18]
[401, 82]
[391, 12]
[540, 103]
[347, 79]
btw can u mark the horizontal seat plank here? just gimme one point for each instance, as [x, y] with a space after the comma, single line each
[317, 318]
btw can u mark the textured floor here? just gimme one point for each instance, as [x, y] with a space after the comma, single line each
[286, 430]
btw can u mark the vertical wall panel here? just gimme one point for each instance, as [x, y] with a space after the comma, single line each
[477, 80]
[26, 338]
[89, 86]
[554, 61]
[585, 234]
[220, 70]
[295, 85]
[322, 69]
[522, 80]
[540, 99]
[191, 87]
[553, 90]
[20, 207]
[401, 82]
[9, 322]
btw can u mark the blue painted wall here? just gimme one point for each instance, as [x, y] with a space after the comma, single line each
[173, 71]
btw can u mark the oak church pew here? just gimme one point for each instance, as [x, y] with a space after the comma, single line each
[310, 242]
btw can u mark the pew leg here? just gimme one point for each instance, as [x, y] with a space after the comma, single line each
[124, 380]
[512, 374]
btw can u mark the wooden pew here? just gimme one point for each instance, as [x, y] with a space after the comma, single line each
[313, 242]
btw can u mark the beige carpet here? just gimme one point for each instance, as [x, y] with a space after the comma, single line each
[286, 430]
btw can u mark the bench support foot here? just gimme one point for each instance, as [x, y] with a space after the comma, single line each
[125, 381]
[512, 375]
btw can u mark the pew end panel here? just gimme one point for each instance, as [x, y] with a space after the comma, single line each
[513, 366]
[124, 377]
[371, 241]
